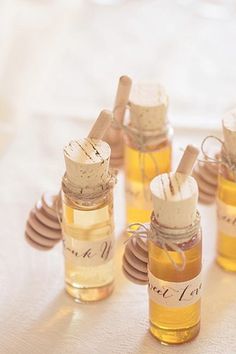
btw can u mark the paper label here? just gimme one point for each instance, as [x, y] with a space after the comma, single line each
[174, 294]
[88, 253]
[226, 216]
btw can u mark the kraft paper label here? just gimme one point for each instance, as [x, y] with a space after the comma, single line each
[88, 253]
[226, 216]
[174, 294]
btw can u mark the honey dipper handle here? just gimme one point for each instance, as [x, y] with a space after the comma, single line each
[188, 159]
[122, 98]
[101, 125]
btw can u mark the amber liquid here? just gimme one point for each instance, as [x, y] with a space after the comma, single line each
[226, 245]
[138, 195]
[175, 325]
[87, 223]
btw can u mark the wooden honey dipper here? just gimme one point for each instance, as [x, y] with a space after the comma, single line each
[114, 135]
[135, 258]
[43, 229]
[206, 175]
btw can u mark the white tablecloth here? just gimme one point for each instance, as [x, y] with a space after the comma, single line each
[37, 316]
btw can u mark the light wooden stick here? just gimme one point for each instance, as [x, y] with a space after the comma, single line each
[188, 159]
[101, 125]
[122, 98]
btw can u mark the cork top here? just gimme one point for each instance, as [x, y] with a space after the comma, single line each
[87, 162]
[229, 131]
[148, 107]
[175, 197]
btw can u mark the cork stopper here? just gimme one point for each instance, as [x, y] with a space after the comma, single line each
[175, 194]
[87, 162]
[229, 131]
[148, 107]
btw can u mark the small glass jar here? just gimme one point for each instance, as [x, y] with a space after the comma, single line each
[226, 217]
[88, 239]
[175, 261]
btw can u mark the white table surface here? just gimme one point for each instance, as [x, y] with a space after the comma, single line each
[37, 316]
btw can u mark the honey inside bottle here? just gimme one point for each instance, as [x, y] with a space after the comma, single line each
[226, 242]
[226, 196]
[89, 224]
[175, 325]
[140, 169]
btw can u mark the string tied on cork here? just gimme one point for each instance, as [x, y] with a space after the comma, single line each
[224, 158]
[228, 145]
[89, 194]
[164, 237]
[88, 176]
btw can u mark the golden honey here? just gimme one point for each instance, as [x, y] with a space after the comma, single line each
[226, 242]
[175, 325]
[140, 169]
[83, 227]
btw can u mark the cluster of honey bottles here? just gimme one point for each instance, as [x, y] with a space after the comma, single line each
[154, 195]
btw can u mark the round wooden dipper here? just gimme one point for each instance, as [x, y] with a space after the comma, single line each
[135, 259]
[43, 229]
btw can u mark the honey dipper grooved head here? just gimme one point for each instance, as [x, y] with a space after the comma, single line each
[43, 229]
[135, 261]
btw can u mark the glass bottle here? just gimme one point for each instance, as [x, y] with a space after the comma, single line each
[174, 260]
[148, 148]
[226, 197]
[87, 220]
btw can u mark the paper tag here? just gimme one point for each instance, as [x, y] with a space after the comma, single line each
[174, 294]
[88, 253]
[226, 216]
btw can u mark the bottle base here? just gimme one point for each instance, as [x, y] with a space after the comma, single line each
[228, 264]
[89, 294]
[169, 336]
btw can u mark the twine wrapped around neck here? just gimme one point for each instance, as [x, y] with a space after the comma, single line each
[225, 158]
[167, 238]
[88, 194]
[142, 140]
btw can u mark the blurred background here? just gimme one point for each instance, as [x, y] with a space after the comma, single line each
[60, 59]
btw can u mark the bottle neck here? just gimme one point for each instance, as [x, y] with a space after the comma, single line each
[147, 140]
[175, 235]
[228, 165]
[89, 196]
